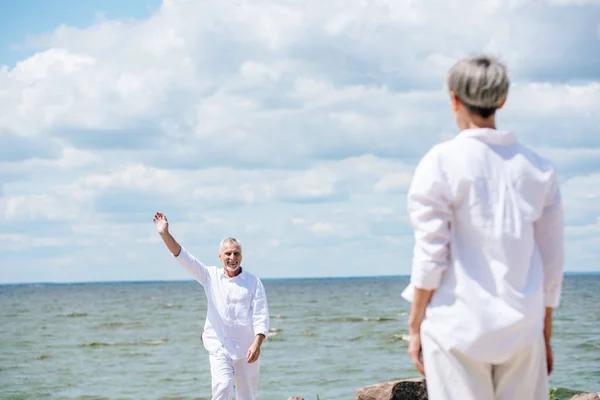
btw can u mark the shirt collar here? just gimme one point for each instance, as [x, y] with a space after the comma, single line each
[489, 135]
[241, 276]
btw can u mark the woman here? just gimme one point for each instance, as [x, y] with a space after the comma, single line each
[488, 257]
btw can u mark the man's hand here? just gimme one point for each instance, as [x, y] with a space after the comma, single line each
[162, 225]
[414, 351]
[254, 350]
[253, 353]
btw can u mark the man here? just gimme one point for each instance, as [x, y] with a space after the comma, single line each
[488, 254]
[237, 320]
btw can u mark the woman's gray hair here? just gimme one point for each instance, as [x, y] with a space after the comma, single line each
[229, 240]
[480, 82]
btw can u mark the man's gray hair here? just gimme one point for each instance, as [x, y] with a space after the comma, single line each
[229, 240]
[480, 82]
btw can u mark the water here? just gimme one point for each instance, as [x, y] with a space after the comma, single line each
[329, 337]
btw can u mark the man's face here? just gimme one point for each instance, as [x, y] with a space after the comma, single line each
[231, 256]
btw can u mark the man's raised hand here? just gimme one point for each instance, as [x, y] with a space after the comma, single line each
[162, 225]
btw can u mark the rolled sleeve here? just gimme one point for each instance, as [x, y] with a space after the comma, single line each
[260, 310]
[429, 212]
[427, 276]
[193, 266]
[549, 235]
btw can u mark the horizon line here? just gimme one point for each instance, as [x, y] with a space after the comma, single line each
[148, 281]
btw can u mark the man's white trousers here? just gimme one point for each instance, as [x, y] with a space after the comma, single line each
[225, 372]
[451, 375]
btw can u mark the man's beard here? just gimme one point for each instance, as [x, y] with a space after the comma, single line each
[231, 269]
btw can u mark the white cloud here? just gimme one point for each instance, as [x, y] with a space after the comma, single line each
[294, 125]
[572, 162]
[581, 197]
[312, 185]
[556, 100]
[572, 2]
[37, 207]
[394, 182]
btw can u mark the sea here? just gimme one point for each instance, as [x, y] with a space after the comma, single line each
[328, 338]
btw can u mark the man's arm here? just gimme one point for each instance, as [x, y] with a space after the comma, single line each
[189, 262]
[260, 321]
[171, 243]
[260, 311]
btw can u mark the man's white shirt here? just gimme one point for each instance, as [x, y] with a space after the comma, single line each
[237, 308]
[488, 223]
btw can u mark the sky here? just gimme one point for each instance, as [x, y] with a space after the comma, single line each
[292, 125]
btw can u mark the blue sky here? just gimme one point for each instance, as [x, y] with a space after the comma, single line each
[29, 18]
[294, 126]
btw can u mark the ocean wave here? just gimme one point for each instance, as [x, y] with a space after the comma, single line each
[356, 319]
[588, 346]
[119, 324]
[155, 342]
[135, 355]
[124, 344]
[397, 337]
[101, 344]
[173, 379]
[75, 315]
[274, 334]
[111, 325]
[171, 305]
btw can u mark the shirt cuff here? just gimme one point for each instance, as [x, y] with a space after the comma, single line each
[261, 330]
[552, 297]
[427, 276]
[182, 254]
[409, 293]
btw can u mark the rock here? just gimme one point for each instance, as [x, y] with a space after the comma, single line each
[407, 389]
[416, 389]
[586, 396]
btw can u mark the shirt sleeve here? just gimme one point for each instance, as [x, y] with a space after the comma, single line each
[260, 310]
[549, 237]
[429, 212]
[198, 270]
